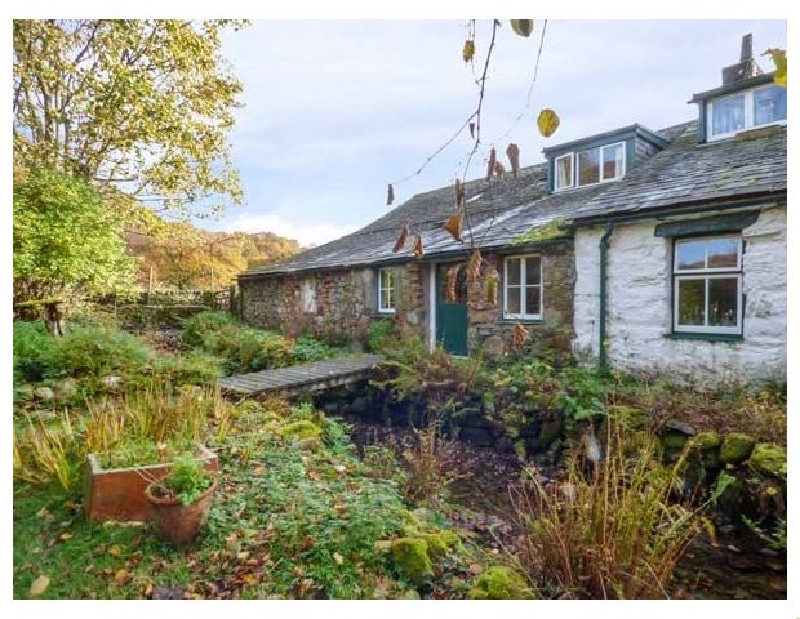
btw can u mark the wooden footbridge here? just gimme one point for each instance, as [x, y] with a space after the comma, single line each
[297, 379]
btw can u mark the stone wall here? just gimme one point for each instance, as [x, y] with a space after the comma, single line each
[340, 303]
[490, 331]
[639, 313]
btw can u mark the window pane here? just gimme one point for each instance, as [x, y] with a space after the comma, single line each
[612, 161]
[589, 166]
[533, 271]
[723, 253]
[512, 271]
[728, 115]
[723, 302]
[533, 298]
[769, 105]
[691, 301]
[512, 300]
[384, 298]
[564, 172]
[691, 255]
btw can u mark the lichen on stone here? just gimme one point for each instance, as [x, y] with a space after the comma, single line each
[500, 583]
[736, 448]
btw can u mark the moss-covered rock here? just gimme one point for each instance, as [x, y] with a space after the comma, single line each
[769, 460]
[736, 448]
[439, 543]
[500, 583]
[410, 556]
[707, 445]
[303, 430]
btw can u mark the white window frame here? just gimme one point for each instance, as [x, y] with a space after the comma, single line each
[556, 186]
[707, 274]
[523, 315]
[749, 114]
[601, 151]
[391, 288]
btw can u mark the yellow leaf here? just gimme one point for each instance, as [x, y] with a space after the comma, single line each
[115, 550]
[250, 579]
[547, 122]
[65, 536]
[522, 27]
[338, 558]
[779, 58]
[468, 51]
[39, 585]
[121, 575]
[521, 335]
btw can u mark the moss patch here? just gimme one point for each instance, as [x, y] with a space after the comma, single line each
[410, 556]
[736, 448]
[439, 543]
[500, 583]
[303, 430]
[769, 459]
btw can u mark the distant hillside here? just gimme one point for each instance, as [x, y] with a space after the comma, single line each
[183, 255]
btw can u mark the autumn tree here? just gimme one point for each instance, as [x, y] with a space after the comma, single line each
[145, 105]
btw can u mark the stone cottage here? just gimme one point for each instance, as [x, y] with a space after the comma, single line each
[646, 250]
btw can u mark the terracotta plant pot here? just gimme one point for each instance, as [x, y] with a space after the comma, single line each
[176, 522]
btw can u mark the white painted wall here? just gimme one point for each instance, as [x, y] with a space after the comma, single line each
[638, 305]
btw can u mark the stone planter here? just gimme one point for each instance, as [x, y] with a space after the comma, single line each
[119, 494]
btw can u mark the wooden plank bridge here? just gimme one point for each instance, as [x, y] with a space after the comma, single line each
[291, 381]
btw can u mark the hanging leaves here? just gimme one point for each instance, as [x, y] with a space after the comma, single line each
[547, 122]
[450, 283]
[490, 167]
[521, 335]
[461, 193]
[468, 51]
[491, 289]
[499, 170]
[418, 251]
[389, 195]
[475, 264]
[522, 27]
[401, 239]
[453, 225]
[512, 152]
[779, 58]
[472, 130]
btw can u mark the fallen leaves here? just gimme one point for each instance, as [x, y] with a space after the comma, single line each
[115, 550]
[521, 335]
[338, 559]
[40, 585]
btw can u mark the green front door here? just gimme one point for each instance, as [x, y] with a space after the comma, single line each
[451, 317]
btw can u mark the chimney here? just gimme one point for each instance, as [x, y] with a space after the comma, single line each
[745, 68]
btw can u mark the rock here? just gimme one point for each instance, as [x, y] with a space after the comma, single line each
[66, 388]
[736, 448]
[43, 393]
[111, 382]
[411, 557]
[769, 460]
[707, 444]
[680, 427]
[500, 583]
[24, 392]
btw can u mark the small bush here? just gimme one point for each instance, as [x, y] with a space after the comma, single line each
[307, 349]
[33, 349]
[195, 368]
[382, 334]
[96, 352]
[248, 350]
[197, 327]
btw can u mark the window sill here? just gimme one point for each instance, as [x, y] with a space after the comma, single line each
[524, 321]
[382, 314]
[705, 337]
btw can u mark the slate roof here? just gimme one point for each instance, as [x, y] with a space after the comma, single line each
[500, 211]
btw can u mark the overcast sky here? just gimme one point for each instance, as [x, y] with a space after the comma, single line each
[336, 109]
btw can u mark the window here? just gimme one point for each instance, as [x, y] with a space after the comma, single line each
[708, 285]
[308, 296]
[523, 287]
[564, 171]
[745, 110]
[386, 290]
[604, 163]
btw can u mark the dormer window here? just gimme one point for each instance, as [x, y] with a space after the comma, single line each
[745, 110]
[594, 165]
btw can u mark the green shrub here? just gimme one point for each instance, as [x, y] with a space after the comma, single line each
[248, 350]
[187, 480]
[306, 349]
[197, 327]
[33, 348]
[194, 368]
[96, 352]
[382, 334]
